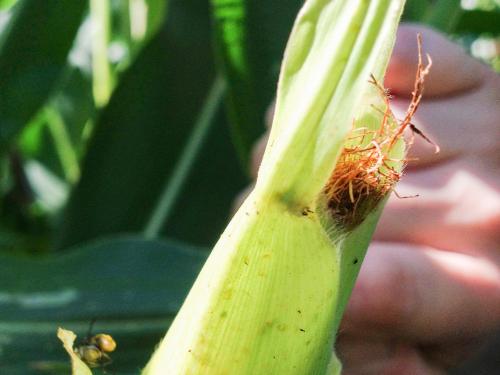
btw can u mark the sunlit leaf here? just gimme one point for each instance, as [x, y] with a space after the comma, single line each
[5, 4]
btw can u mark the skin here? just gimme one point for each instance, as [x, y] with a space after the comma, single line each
[428, 293]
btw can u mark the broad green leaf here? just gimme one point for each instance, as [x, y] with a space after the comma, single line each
[132, 286]
[32, 58]
[98, 280]
[142, 134]
[203, 208]
[183, 168]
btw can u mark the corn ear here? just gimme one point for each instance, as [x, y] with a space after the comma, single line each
[272, 292]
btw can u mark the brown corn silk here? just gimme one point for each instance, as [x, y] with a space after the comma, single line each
[365, 172]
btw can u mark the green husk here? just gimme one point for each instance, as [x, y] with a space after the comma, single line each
[271, 295]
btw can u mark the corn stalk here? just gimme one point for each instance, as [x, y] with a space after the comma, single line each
[271, 295]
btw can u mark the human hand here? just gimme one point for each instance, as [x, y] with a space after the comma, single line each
[429, 289]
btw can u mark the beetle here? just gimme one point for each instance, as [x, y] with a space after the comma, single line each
[94, 349]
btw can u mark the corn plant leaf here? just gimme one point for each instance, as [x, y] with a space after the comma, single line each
[318, 98]
[270, 297]
[59, 287]
[119, 281]
[60, 124]
[141, 134]
[32, 58]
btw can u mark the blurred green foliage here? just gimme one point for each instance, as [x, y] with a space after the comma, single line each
[125, 127]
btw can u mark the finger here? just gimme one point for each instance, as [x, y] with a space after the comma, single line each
[423, 295]
[374, 357]
[458, 209]
[465, 124]
[452, 70]
[460, 109]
